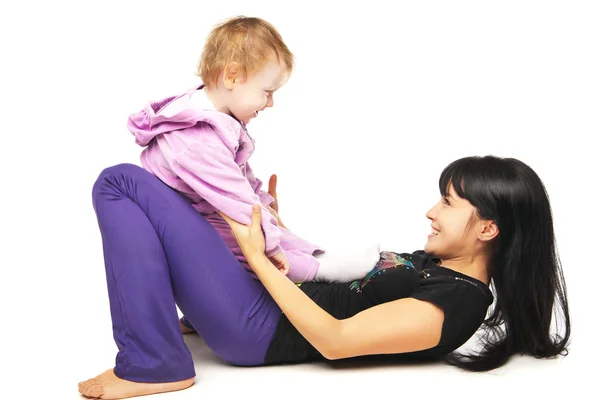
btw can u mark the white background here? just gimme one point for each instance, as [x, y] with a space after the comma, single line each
[382, 99]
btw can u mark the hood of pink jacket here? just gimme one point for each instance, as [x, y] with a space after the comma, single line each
[174, 113]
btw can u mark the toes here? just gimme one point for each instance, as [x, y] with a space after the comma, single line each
[95, 387]
[96, 391]
[81, 385]
[87, 385]
[83, 389]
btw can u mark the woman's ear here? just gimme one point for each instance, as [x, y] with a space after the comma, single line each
[487, 230]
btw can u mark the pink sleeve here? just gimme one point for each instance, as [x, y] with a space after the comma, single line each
[265, 198]
[206, 164]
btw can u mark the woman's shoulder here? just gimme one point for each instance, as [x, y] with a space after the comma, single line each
[465, 304]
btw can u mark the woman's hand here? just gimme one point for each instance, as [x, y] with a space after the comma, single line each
[251, 240]
[273, 192]
[249, 237]
[274, 207]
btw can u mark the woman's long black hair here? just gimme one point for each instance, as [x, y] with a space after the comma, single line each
[526, 273]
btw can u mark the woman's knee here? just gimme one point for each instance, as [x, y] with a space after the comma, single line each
[115, 180]
[119, 171]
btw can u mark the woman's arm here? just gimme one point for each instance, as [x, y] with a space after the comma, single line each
[396, 327]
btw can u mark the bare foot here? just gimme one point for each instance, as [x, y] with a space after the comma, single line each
[109, 386]
[184, 329]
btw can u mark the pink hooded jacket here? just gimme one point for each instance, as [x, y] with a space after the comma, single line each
[203, 153]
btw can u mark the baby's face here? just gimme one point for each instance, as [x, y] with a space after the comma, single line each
[253, 95]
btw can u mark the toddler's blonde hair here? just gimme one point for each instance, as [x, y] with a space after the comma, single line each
[247, 41]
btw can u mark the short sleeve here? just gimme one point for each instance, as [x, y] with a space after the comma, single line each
[464, 305]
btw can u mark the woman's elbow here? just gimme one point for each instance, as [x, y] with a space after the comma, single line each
[334, 348]
[332, 354]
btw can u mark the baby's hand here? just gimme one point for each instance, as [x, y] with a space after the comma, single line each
[280, 261]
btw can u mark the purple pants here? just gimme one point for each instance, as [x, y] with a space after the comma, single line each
[160, 252]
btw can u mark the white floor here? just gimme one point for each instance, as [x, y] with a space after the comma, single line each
[523, 377]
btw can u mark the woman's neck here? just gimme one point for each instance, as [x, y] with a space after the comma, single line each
[474, 266]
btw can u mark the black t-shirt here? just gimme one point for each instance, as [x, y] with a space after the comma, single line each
[464, 301]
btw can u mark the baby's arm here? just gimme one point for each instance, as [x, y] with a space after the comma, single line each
[256, 184]
[206, 164]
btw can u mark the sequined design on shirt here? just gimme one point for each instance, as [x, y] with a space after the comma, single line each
[387, 260]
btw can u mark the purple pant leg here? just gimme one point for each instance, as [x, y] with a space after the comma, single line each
[160, 252]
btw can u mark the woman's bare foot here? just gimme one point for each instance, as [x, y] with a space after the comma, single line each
[109, 386]
[184, 329]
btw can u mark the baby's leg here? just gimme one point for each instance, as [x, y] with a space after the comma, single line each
[308, 262]
[303, 266]
[346, 266]
[298, 252]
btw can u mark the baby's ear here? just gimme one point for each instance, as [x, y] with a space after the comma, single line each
[232, 75]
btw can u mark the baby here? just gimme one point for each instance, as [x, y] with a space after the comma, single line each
[197, 142]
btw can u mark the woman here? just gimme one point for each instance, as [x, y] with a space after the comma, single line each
[492, 224]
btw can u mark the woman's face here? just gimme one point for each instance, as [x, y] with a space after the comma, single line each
[454, 227]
